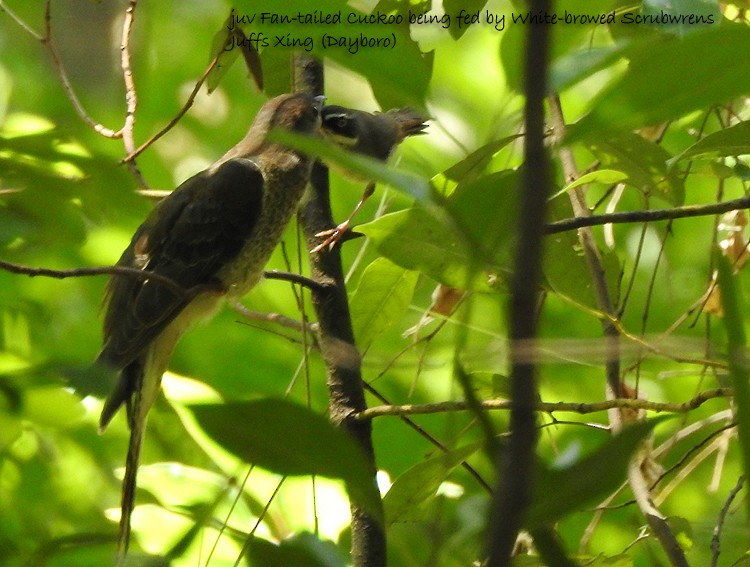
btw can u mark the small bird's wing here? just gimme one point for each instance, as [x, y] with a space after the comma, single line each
[187, 238]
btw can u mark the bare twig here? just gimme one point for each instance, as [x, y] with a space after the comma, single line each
[23, 25]
[648, 215]
[178, 116]
[550, 407]
[49, 45]
[108, 270]
[716, 538]
[131, 98]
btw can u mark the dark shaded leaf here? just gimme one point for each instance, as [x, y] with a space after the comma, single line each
[558, 492]
[291, 440]
[303, 550]
[668, 78]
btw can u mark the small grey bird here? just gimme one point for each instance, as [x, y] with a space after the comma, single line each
[375, 135]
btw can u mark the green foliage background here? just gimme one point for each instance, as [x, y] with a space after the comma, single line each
[66, 202]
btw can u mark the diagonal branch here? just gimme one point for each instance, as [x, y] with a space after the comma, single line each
[638, 484]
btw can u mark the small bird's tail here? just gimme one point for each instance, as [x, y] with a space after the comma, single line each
[411, 122]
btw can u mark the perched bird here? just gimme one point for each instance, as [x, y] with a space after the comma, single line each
[212, 237]
[375, 135]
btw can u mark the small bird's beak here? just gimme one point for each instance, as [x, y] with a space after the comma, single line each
[319, 102]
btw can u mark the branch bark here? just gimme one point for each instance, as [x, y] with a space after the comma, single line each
[638, 484]
[343, 363]
[515, 470]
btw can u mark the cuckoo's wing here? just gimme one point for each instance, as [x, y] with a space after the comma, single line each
[187, 238]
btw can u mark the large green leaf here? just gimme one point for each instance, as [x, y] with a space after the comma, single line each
[559, 492]
[419, 239]
[644, 163]
[380, 300]
[362, 166]
[404, 500]
[734, 323]
[668, 78]
[302, 550]
[291, 440]
[732, 141]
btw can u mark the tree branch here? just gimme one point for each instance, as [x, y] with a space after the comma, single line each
[343, 362]
[515, 469]
[188, 103]
[549, 407]
[638, 484]
[111, 271]
[648, 215]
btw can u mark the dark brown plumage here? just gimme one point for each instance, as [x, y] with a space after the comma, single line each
[212, 236]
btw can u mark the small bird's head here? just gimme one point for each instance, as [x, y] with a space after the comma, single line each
[371, 134]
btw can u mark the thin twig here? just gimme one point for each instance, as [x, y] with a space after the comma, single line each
[178, 116]
[23, 25]
[131, 98]
[107, 270]
[716, 538]
[550, 407]
[49, 45]
[648, 215]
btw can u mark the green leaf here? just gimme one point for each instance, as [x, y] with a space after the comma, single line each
[404, 500]
[708, 9]
[574, 67]
[485, 212]
[290, 440]
[603, 176]
[667, 78]
[559, 492]
[416, 239]
[732, 141]
[303, 550]
[363, 166]
[474, 164]
[221, 47]
[643, 163]
[381, 299]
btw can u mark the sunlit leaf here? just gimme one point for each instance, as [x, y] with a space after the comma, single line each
[732, 141]
[291, 440]
[380, 300]
[403, 501]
